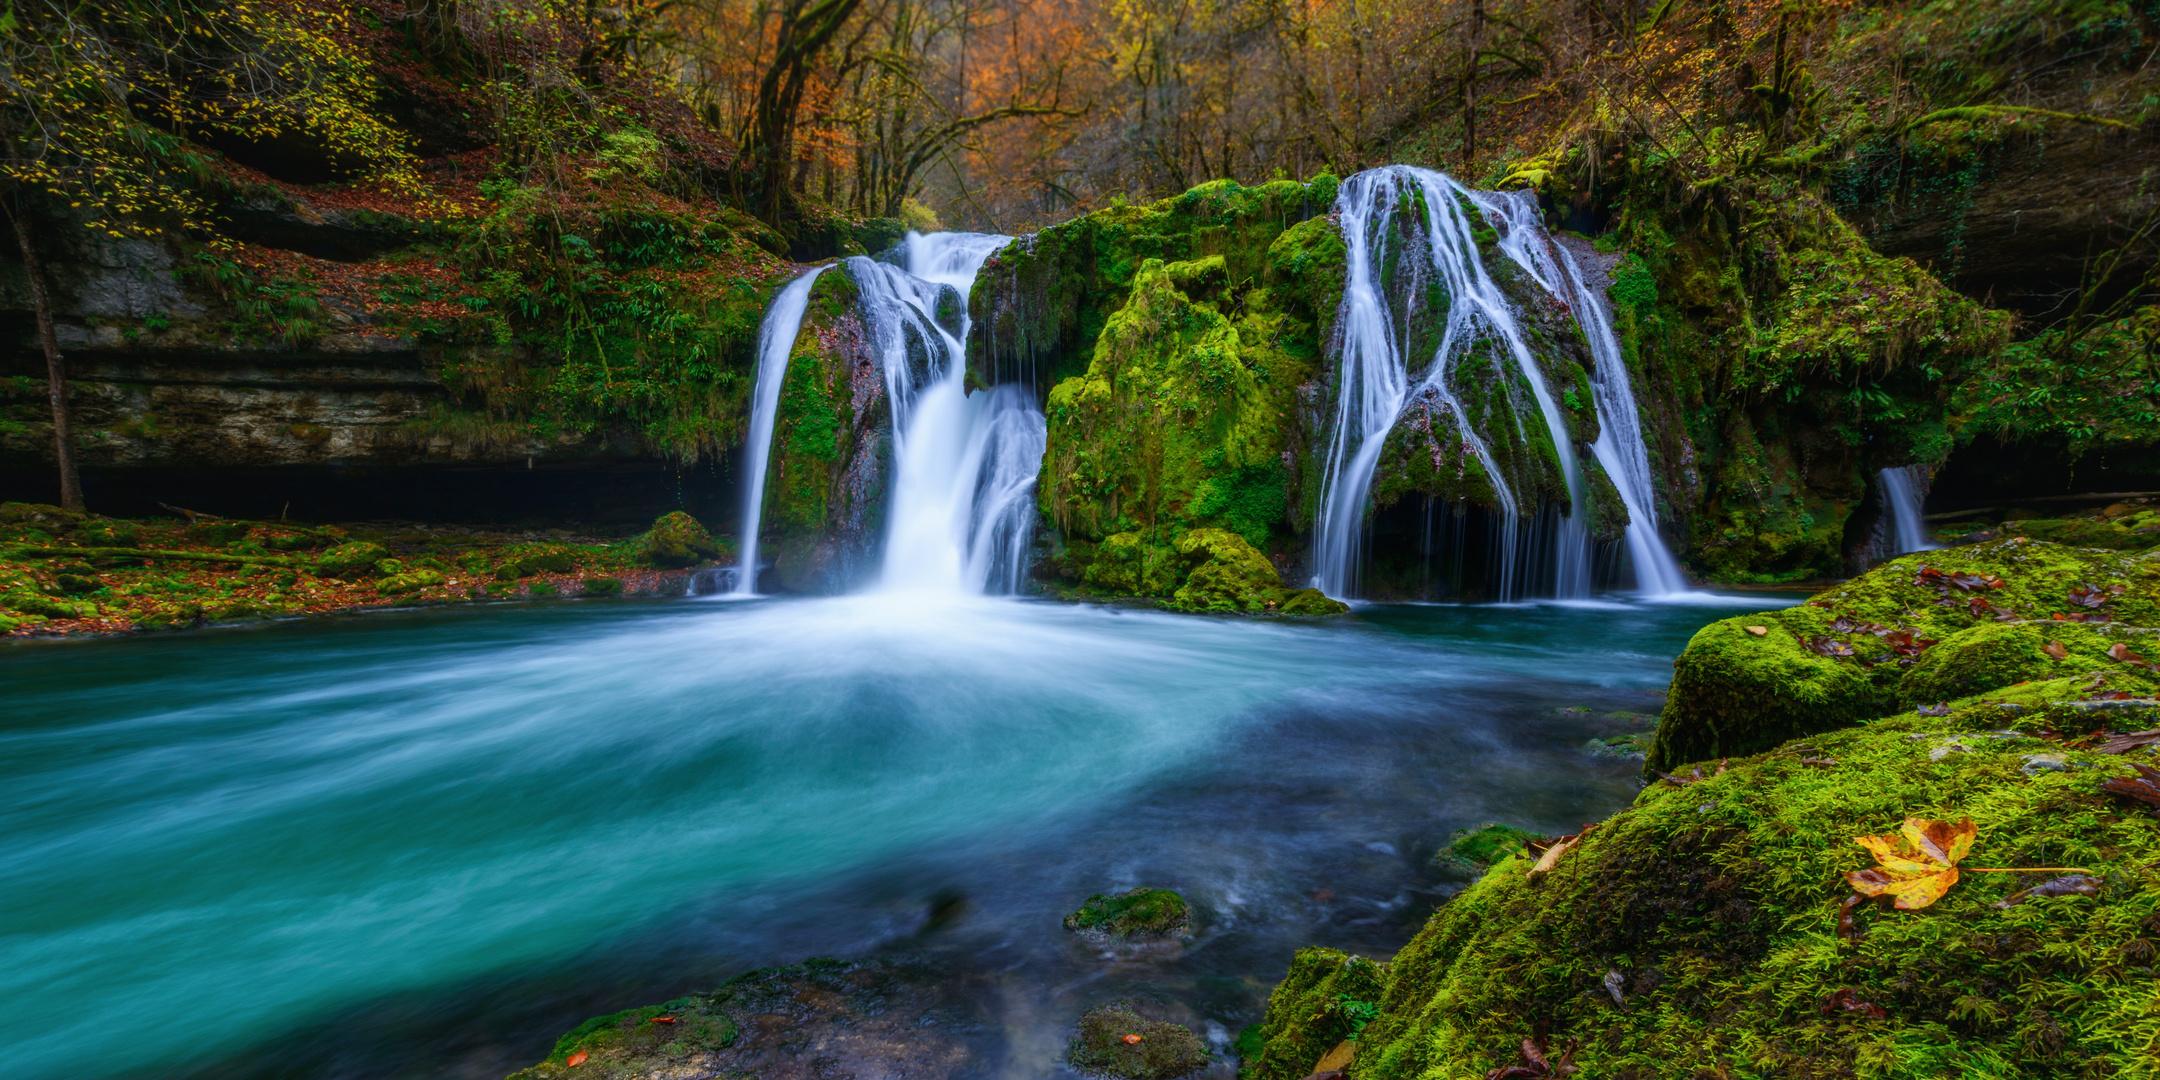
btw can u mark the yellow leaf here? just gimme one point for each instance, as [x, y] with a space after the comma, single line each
[1918, 865]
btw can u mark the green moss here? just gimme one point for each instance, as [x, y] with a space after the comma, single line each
[1312, 1010]
[1486, 844]
[677, 539]
[1312, 602]
[1738, 692]
[602, 586]
[410, 581]
[628, 1043]
[1163, 1051]
[1232, 577]
[1710, 910]
[349, 561]
[49, 607]
[536, 559]
[1135, 911]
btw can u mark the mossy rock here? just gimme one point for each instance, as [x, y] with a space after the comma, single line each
[1125, 564]
[1231, 574]
[1711, 910]
[110, 534]
[45, 516]
[409, 581]
[1312, 602]
[1325, 999]
[1735, 691]
[629, 1044]
[1475, 849]
[17, 622]
[603, 586]
[170, 617]
[677, 539]
[1135, 911]
[542, 559]
[49, 607]
[350, 561]
[217, 533]
[1163, 1051]
[1976, 660]
[2087, 532]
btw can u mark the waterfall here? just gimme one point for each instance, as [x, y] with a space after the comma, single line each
[1619, 449]
[963, 465]
[776, 340]
[1374, 373]
[1901, 497]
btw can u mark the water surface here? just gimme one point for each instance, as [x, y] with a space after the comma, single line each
[426, 843]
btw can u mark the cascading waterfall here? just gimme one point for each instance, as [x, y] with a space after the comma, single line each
[1901, 497]
[1620, 449]
[963, 465]
[1375, 374]
[776, 340]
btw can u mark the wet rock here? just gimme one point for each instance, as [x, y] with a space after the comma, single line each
[1118, 1041]
[1136, 911]
[1475, 849]
[409, 581]
[813, 1021]
[1324, 1000]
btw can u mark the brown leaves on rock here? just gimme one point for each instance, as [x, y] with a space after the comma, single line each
[1695, 775]
[2056, 651]
[1918, 865]
[1843, 1001]
[1758, 631]
[2144, 787]
[2125, 654]
[1550, 851]
[1531, 1062]
[2124, 743]
[1846, 928]
[1944, 581]
[1827, 647]
[576, 1059]
[1907, 643]
[2089, 595]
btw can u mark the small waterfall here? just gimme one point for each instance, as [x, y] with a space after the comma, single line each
[1901, 497]
[1374, 373]
[1619, 449]
[963, 465]
[776, 340]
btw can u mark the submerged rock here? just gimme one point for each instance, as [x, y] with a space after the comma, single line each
[1117, 1041]
[1135, 911]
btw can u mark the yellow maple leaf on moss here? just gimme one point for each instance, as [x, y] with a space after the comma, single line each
[1918, 865]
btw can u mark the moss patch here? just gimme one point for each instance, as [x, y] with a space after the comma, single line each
[1106, 1046]
[1136, 911]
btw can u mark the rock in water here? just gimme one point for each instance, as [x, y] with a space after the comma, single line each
[1116, 1040]
[1137, 911]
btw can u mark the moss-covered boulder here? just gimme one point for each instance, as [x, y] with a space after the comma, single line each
[104, 533]
[30, 603]
[1118, 1041]
[409, 581]
[1698, 933]
[536, 559]
[1230, 576]
[1328, 998]
[349, 561]
[1312, 602]
[1135, 911]
[677, 539]
[52, 519]
[602, 586]
[1475, 849]
[1860, 650]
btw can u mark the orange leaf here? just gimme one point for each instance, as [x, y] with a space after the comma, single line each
[577, 1059]
[663, 1019]
[1132, 1040]
[1918, 865]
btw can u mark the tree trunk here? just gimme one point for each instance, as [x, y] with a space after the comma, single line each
[55, 368]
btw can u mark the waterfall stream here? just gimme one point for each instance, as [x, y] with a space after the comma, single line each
[1901, 497]
[1376, 375]
[963, 465]
[776, 340]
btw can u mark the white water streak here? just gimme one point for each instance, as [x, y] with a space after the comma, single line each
[776, 340]
[1901, 497]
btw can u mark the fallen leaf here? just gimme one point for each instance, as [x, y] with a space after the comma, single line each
[2088, 596]
[1918, 865]
[2111, 695]
[1552, 854]
[1132, 1040]
[1843, 1001]
[576, 1059]
[663, 1019]
[1846, 928]
[2067, 885]
[2144, 787]
[2124, 653]
[2123, 744]
[1758, 631]
[1531, 1062]
[2055, 649]
[1827, 647]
